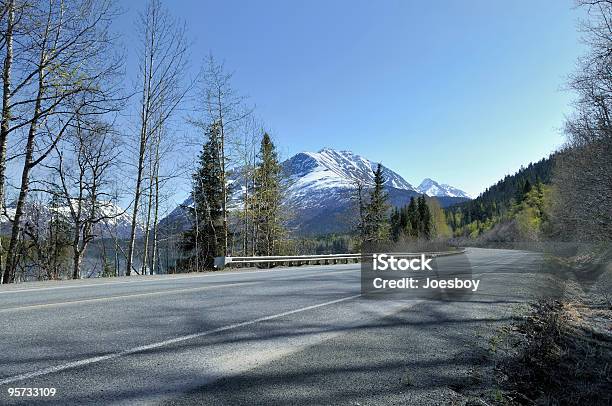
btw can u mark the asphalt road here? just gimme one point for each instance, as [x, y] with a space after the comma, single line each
[300, 335]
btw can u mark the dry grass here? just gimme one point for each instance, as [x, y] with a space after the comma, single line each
[564, 356]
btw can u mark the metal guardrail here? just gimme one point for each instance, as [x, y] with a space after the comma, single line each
[296, 260]
[289, 260]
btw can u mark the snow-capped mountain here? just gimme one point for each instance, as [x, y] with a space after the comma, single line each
[316, 179]
[321, 189]
[115, 221]
[432, 188]
[331, 168]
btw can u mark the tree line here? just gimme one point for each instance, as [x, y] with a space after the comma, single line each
[421, 219]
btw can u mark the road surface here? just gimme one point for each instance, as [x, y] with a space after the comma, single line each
[300, 335]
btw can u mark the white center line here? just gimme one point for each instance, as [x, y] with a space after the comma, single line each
[163, 292]
[148, 347]
[161, 278]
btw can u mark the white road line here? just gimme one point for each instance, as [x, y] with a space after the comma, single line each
[100, 299]
[148, 347]
[165, 278]
[159, 292]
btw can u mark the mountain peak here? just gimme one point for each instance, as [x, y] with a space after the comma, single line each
[333, 168]
[427, 181]
[432, 188]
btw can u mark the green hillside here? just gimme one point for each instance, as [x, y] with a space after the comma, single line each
[502, 201]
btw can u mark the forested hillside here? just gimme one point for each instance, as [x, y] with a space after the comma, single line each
[500, 201]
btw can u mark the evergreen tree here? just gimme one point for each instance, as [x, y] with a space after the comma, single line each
[421, 218]
[395, 224]
[266, 200]
[424, 218]
[523, 188]
[413, 218]
[377, 225]
[526, 187]
[404, 225]
[205, 239]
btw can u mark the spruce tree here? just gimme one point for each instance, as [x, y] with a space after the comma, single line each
[267, 198]
[526, 187]
[396, 224]
[424, 218]
[377, 226]
[413, 218]
[403, 221]
[205, 239]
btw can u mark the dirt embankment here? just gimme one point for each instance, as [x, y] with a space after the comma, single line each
[559, 350]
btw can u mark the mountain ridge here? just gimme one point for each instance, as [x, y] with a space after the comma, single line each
[432, 188]
[321, 188]
[116, 220]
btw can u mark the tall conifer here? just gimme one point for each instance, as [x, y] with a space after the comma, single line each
[205, 239]
[267, 197]
[377, 226]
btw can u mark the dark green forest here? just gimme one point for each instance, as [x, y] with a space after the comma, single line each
[500, 201]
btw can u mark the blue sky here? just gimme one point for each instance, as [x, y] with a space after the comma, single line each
[463, 92]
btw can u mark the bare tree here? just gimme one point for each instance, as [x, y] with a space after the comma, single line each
[44, 248]
[360, 202]
[244, 148]
[162, 69]
[583, 174]
[66, 69]
[84, 184]
[7, 42]
[152, 165]
[156, 184]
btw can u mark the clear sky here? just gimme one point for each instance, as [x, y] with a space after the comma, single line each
[462, 91]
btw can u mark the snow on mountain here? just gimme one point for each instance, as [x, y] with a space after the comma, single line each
[331, 168]
[309, 174]
[320, 194]
[115, 221]
[432, 188]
